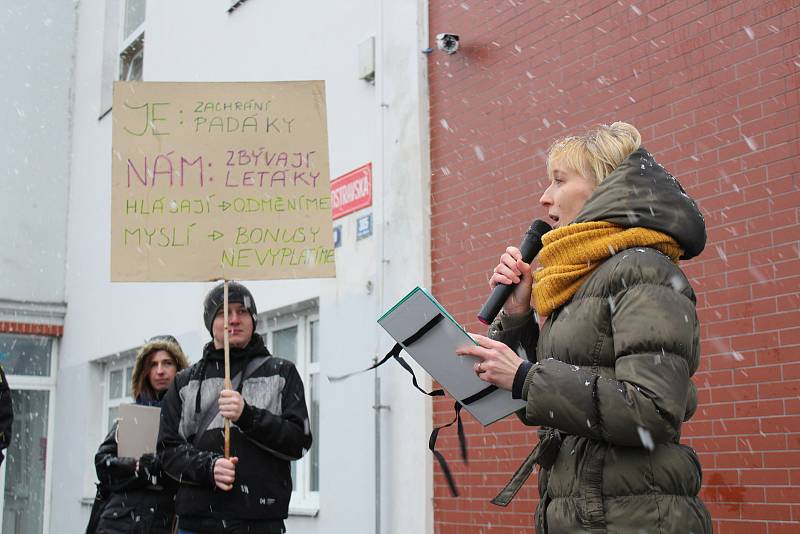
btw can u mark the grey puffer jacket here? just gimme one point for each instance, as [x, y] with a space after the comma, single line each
[611, 385]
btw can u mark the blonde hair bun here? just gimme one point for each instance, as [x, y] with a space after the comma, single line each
[598, 152]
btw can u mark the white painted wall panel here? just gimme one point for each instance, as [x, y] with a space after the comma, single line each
[36, 38]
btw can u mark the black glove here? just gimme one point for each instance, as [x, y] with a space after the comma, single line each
[149, 466]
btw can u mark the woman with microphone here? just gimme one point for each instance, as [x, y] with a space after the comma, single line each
[608, 375]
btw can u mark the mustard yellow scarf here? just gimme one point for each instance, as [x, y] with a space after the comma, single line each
[572, 252]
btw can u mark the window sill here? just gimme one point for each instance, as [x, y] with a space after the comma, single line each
[304, 511]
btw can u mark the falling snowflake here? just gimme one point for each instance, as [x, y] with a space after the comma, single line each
[646, 438]
[750, 143]
[677, 282]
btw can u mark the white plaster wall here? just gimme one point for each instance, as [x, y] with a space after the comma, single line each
[265, 40]
[404, 242]
[36, 39]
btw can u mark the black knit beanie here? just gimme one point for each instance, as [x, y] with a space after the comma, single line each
[236, 293]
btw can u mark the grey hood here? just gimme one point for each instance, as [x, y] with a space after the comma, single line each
[640, 192]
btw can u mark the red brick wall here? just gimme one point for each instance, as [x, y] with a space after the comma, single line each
[31, 328]
[713, 87]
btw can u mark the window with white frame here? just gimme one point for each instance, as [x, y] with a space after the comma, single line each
[293, 334]
[131, 53]
[118, 386]
[29, 362]
[123, 46]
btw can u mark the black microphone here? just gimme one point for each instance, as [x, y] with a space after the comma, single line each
[530, 247]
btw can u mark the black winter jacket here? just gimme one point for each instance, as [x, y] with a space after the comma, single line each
[6, 414]
[141, 502]
[612, 380]
[272, 431]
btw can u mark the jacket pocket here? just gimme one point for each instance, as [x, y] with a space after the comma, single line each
[541, 513]
[118, 512]
[591, 511]
[120, 520]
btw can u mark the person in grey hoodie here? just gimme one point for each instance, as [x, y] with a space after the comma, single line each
[249, 492]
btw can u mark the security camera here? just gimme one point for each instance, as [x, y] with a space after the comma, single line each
[447, 42]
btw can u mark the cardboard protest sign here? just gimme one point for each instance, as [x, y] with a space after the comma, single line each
[220, 181]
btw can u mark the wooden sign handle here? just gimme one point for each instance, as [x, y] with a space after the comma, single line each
[227, 450]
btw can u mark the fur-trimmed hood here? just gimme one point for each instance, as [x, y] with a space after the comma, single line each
[160, 343]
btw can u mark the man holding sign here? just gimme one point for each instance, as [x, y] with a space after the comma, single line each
[221, 181]
[248, 492]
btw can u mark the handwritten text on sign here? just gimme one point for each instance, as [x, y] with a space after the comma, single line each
[220, 180]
